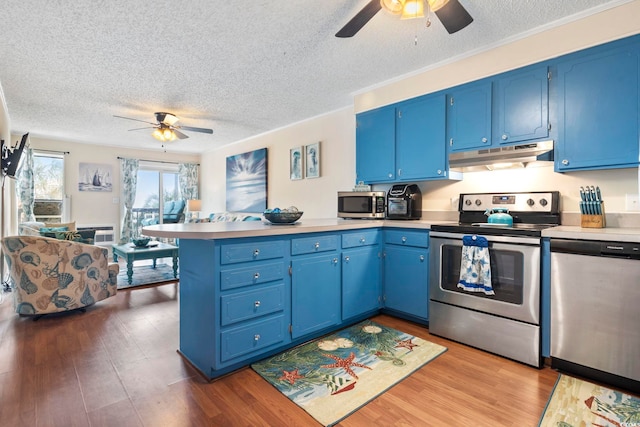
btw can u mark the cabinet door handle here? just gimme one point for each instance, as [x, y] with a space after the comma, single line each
[484, 140]
[439, 171]
[256, 252]
[335, 260]
[399, 172]
[451, 142]
[256, 337]
[390, 175]
[256, 304]
[505, 137]
[565, 162]
[421, 258]
[256, 275]
[317, 245]
[347, 259]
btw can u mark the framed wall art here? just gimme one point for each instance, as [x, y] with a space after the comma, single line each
[94, 177]
[296, 160]
[312, 160]
[247, 181]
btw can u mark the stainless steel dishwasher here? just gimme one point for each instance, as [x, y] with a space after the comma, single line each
[595, 310]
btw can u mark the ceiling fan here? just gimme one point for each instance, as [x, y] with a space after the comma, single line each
[166, 127]
[451, 13]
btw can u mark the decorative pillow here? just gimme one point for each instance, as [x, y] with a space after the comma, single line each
[70, 225]
[83, 236]
[51, 231]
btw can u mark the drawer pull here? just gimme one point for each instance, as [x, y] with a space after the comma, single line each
[317, 245]
[256, 252]
[256, 337]
[256, 304]
[362, 240]
[256, 275]
[335, 260]
[404, 239]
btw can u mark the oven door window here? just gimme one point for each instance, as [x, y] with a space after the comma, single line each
[507, 274]
[355, 204]
[397, 207]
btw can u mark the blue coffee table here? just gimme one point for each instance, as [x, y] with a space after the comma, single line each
[132, 253]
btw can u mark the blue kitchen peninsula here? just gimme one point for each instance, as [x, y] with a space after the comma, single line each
[252, 289]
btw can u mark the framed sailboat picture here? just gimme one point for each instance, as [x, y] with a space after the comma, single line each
[95, 177]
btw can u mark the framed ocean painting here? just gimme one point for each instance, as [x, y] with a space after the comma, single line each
[247, 182]
[295, 163]
[312, 160]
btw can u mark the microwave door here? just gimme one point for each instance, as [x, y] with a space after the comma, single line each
[359, 205]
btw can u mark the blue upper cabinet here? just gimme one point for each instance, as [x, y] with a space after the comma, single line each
[521, 105]
[404, 141]
[469, 116]
[375, 145]
[598, 114]
[420, 139]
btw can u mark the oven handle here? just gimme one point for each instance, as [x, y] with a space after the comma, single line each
[535, 241]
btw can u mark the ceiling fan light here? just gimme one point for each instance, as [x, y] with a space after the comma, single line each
[394, 7]
[413, 9]
[436, 5]
[157, 134]
[168, 135]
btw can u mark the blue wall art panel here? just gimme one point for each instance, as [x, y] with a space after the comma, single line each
[247, 181]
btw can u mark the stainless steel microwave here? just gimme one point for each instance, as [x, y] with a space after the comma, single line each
[361, 204]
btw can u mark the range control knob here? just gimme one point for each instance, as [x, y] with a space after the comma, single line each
[478, 202]
[467, 202]
[531, 202]
[543, 202]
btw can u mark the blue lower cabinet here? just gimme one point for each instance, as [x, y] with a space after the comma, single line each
[315, 293]
[361, 281]
[406, 280]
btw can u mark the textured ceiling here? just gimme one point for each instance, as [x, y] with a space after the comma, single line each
[241, 67]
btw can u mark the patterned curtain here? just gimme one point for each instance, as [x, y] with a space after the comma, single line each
[25, 187]
[129, 174]
[188, 176]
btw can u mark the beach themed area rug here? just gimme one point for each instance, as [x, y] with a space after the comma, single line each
[578, 403]
[335, 375]
[144, 275]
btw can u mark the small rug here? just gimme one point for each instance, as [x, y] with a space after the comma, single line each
[333, 376]
[146, 275]
[578, 403]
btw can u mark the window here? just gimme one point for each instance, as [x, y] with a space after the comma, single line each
[48, 181]
[154, 180]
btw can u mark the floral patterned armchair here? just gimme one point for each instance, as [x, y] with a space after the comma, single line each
[50, 275]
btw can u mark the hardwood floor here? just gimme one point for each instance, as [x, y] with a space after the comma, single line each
[117, 365]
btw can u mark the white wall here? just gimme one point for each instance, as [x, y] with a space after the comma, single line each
[316, 197]
[97, 208]
[337, 131]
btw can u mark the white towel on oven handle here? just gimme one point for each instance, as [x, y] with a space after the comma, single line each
[475, 265]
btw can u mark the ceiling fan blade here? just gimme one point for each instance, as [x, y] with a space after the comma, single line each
[360, 19]
[135, 120]
[179, 134]
[454, 16]
[192, 129]
[146, 127]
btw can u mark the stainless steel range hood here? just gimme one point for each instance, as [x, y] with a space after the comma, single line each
[501, 157]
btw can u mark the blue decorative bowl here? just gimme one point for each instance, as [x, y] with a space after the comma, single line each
[140, 242]
[282, 217]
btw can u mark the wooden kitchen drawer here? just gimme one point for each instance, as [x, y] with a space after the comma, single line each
[251, 338]
[310, 245]
[360, 238]
[254, 274]
[407, 238]
[256, 251]
[239, 306]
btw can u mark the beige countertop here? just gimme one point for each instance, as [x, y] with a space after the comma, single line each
[230, 230]
[606, 234]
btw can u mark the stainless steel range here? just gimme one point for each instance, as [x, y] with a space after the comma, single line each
[505, 321]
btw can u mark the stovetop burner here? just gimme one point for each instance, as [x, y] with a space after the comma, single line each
[532, 212]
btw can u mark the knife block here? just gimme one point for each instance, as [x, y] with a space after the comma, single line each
[593, 221]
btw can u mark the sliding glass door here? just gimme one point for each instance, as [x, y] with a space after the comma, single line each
[158, 185]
